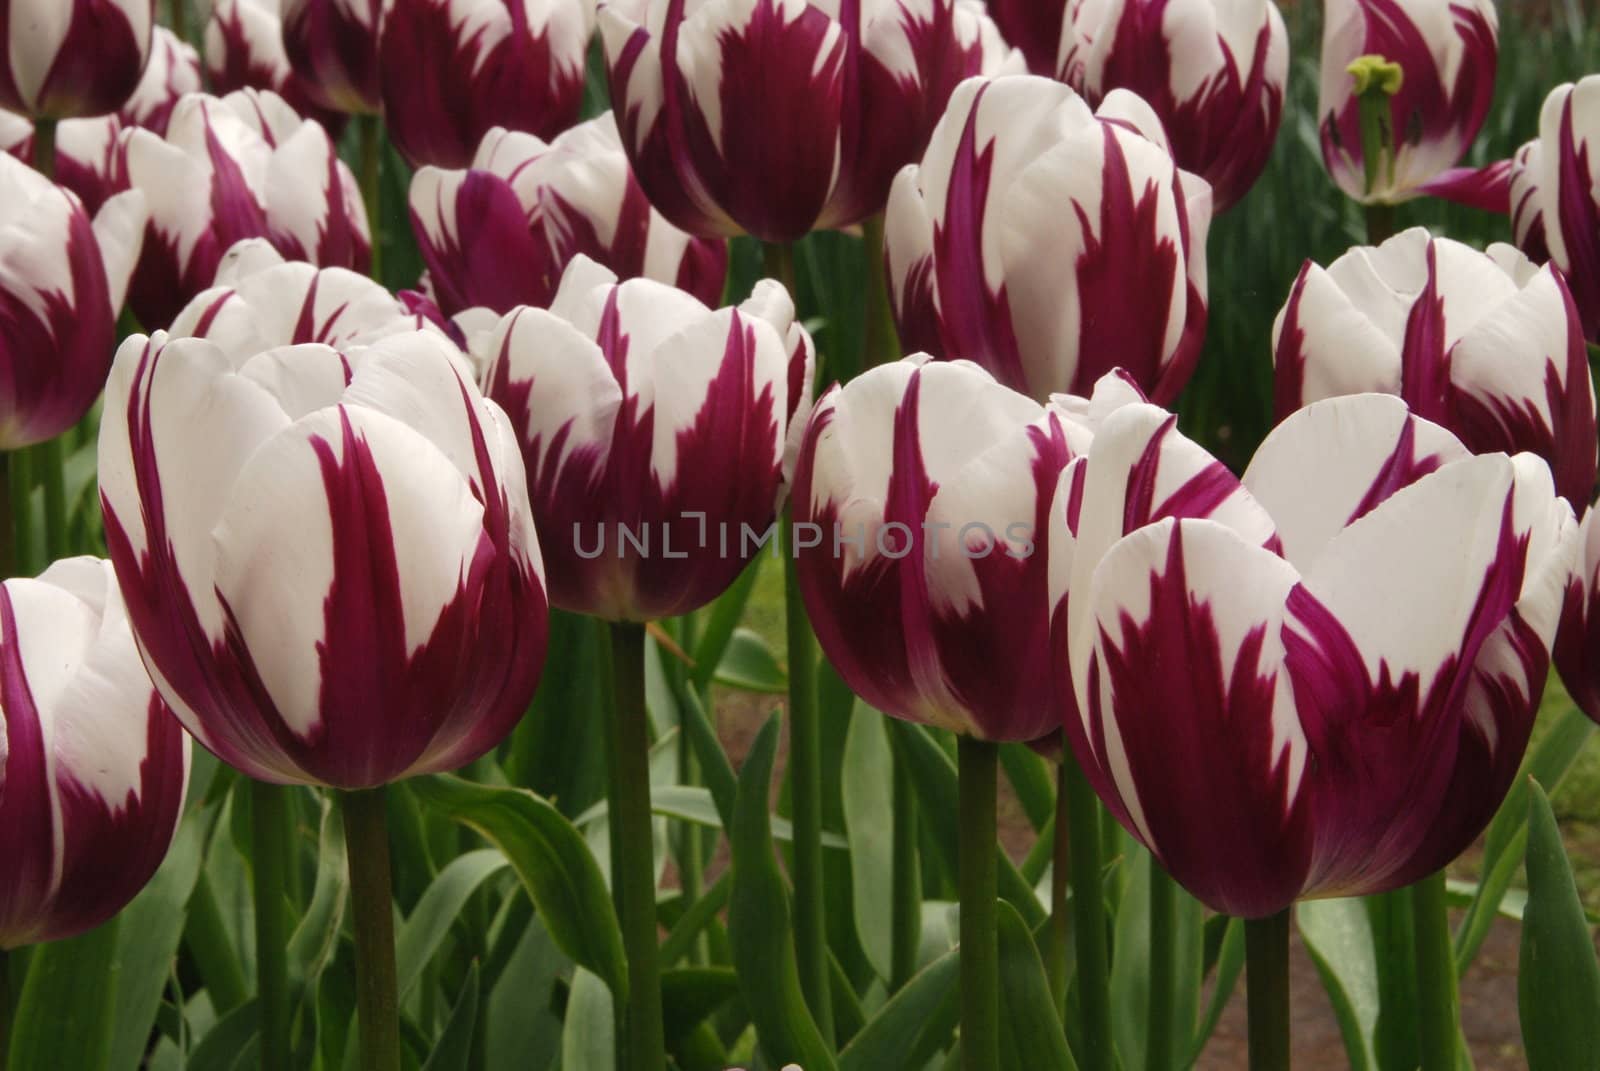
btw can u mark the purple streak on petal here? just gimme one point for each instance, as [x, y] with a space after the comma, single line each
[1578, 215]
[490, 259]
[240, 66]
[916, 313]
[1486, 188]
[1289, 358]
[1402, 468]
[1425, 359]
[27, 826]
[1577, 646]
[1197, 497]
[97, 66]
[335, 53]
[1033, 26]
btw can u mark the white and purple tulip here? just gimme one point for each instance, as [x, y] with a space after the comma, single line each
[332, 46]
[1213, 71]
[778, 117]
[1049, 243]
[1035, 27]
[173, 72]
[60, 59]
[328, 556]
[1577, 650]
[500, 234]
[454, 70]
[1315, 682]
[1486, 344]
[659, 435]
[93, 766]
[244, 50]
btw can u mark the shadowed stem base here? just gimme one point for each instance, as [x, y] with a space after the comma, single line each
[979, 886]
[366, 831]
[1436, 974]
[1088, 915]
[371, 130]
[268, 863]
[1266, 944]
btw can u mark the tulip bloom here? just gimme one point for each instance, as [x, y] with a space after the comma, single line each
[1214, 73]
[243, 166]
[778, 117]
[1555, 193]
[1485, 344]
[332, 46]
[926, 486]
[66, 58]
[1035, 27]
[328, 557]
[1577, 650]
[244, 50]
[1286, 694]
[173, 71]
[453, 70]
[62, 280]
[1447, 51]
[1049, 243]
[659, 435]
[92, 762]
[499, 235]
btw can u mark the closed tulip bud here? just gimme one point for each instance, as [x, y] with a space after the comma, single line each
[659, 435]
[926, 487]
[1288, 693]
[332, 46]
[1035, 27]
[778, 117]
[500, 234]
[66, 58]
[231, 168]
[453, 70]
[244, 50]
[62, 280]
[1446, 51]
[93, 766]
[1486, 344]
[328, 556]
[1049, 243]
[1214, 72]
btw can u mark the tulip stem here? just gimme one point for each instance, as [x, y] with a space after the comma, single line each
[366, 832]
[268, 864]
[19, 464]
[179, 14]
[1266, 943]
[52, 462]
[978, 762]
[5, 1008]
[1055, 954]
[1088, 916]
[777, 261]
[44, 147]
[1163, 970]
[1436, 974]
[641, 1027]
[881, 343]
[371, 130]
[906, 879]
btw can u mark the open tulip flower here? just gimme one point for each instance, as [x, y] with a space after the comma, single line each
[65, 58]
[658, 435]
[1049, 243]
[777, 117]
[1446, 50]
[453, 70]
[1035, 27]
[332, 46]
[1486, 344]
[499, 235]
[244, 50]
[1361, 663]
[62, 280]
[93, 765]
[230, 168]
[328, 556]
[1214, 73]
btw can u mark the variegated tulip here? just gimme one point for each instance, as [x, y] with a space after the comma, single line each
[66, 58]
[173, 72]
[1315, 682]
[1034, 26]
[658, 434]
[1050, 243]
[1577, 650]
[332, 46]
[244, 50]
[777, 117]
[328, 557]
[93, 765]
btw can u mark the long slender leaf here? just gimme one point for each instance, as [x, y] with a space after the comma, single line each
[691, 803]
[453, 1050]
[430, 921]
[64, 1015]
[1338, 934]
[587, 1032]
[1558, 978]
[690, 994]
[868, 804]
[915, 1023]
[1031, 1036]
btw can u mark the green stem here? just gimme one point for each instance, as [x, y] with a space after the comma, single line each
[1055, 955]
[1436, 974]
[10, 564]
[179, 15]
[371, 130]
[1266, 944]
[1380, 223]
[366, 832]
[881, 343]
[24, 555]
[5, 1008]
[1088, 917]
[44, 147]
[978, 762]
[633, 880]
[52, 472]
[206, 936]
[777, 261]
[1160, 1044]
[906, 878]
[268, 814]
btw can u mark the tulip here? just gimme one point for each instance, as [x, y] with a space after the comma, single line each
[66, 58]
[777, 117]
[1555, 193]
[173, 71]
[1034, 26]
[499, 235]
[94, 764]
[242, 166]
[1049, 243]
[1485, 344]
[244, 50]
[1214, 73]
[1577, 647]
[332, 47]
[1287, 695]
[453, 70]
[1446, 51]
[62, 280]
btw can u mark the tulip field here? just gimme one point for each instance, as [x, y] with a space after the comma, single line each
[799, 535]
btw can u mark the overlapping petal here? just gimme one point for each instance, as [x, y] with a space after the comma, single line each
[60, 59]
[244, 50]
[332, 45]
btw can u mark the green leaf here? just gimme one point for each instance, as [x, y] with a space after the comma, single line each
[523, 1031]
[714, 767]
[1230, 963]
[1338, 934]
[690, 994]
[914, 1025]
[554, 863]
[430, 921]
[453, 1050]
[1558, 978]
[1033, 781]
[749, 665]
[558, 748]
[867, 783]
[1030, 1036]
[316, 938]
[691, 803]
[721, 620]
[698, 915]
[589, 1030]
[223, 1044]
[64, 1015]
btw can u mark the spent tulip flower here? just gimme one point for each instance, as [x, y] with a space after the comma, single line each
[1214, 73]
[778, 117]
[1486, 344]
[1049, 243]
[65, 58]
[500, 234]
[1315, 682]
[1035, 27]
[93, 765]
[332, 47]
[328, 556]
[453, 70]
[244, 50]
[659, 435]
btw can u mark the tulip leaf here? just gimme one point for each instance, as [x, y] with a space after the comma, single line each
[690, 994]
[551, 858]
[316, 938]
[690, 803]
[453, 1049]
[523, 1030]
[721, 621]
[1230, 963]
[1338, 934]
[714, 767]
[224, 1043]
[749, 665]
[436, 912]
[1031, 1036]
[1558, 978]
[588, 1028]
[1130, 972]
[914, 1025]
[64, 1014]
[558, 748]
[1033, 780]
[868, 812]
